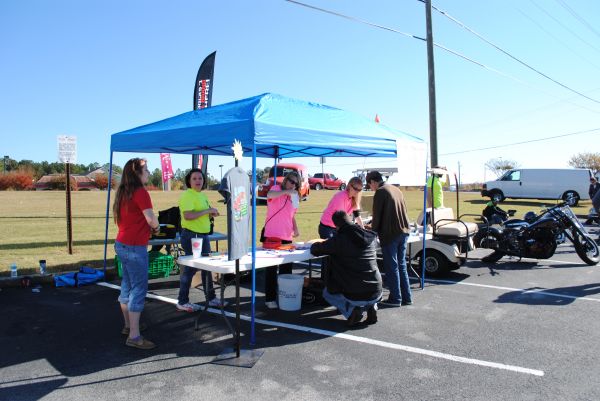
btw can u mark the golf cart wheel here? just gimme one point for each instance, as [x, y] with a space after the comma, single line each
[496, 195]
[571, 197]
[435, 263]
[342, 187]
[318, 187]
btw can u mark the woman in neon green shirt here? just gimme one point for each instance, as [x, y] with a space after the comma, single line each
[195, 223]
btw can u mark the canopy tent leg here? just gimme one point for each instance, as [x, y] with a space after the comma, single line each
[253, 297]
[424, 225]
[107, 210]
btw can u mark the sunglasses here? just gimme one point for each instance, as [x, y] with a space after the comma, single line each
[293, 182]
[356, 189]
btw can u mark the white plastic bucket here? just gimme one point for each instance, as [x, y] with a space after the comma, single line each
[290, 291]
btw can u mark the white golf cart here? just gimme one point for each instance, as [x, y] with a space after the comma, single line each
[451, 238]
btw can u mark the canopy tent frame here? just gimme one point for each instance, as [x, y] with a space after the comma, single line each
[266, 121]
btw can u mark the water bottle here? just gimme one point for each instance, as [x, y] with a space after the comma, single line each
[13, 270]
[42, 266]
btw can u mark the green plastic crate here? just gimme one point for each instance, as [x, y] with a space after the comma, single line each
[159, 265]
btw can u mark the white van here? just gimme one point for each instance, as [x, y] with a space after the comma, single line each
[540, 183]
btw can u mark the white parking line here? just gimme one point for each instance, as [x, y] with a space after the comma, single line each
[148, 295]
[400, 347]
[365, 340]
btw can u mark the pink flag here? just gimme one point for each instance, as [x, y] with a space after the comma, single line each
[376, 118]
[167, 169]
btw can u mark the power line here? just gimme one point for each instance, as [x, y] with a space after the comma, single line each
[355, 19]
[515, 116]
[510, 55]
[523, 142]
[577, 16]
[564, 26]
[440, 47]
[547, 32]
[405, 34]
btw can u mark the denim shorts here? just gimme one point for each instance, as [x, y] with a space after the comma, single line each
[134, 265]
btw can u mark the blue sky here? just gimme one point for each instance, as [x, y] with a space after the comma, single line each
[94, 68]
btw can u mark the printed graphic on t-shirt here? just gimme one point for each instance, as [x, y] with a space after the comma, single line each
[240, 203]
[235, 188]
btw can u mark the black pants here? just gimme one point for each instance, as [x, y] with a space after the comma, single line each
[325, 232]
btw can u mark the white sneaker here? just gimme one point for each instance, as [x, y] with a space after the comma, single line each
[189, 307]
[271, 305]
[217, 302]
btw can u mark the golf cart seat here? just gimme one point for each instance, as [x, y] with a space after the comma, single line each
[447, 226]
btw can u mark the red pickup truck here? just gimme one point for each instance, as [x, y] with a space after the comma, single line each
[282, 169]
[327, 181]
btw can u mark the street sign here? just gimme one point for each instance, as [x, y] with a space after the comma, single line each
[67, 149]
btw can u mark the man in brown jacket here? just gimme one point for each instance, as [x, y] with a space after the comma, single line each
[390, 221]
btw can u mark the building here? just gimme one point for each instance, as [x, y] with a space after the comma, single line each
[85, 182]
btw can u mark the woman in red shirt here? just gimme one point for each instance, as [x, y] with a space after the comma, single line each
[133, 214]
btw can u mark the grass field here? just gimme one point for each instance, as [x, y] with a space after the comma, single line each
[34, 223]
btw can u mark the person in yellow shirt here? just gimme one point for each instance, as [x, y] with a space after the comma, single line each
[195, 223]
[438, 193]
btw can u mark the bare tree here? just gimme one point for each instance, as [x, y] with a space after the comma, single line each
[586, 160]
[499, 166]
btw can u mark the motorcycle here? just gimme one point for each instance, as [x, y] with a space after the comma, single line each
[539, 238]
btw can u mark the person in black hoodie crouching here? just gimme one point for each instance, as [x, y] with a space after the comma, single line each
[353, 281]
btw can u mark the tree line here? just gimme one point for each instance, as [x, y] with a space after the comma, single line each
[39, 169]
[22, 175]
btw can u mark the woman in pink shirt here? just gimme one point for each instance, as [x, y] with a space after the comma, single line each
[347, 200]
[280, 223]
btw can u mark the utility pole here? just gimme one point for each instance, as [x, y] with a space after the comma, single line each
[221, 167]
[431, 76]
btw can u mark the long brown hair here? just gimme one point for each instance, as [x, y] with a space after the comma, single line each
[130, 181]
[296, 178]
[355, 182]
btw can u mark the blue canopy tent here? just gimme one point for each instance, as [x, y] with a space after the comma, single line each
[274, 126]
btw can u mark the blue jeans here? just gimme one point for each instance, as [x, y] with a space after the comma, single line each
[345, 305]
[396, 276]
[134, 266]
[187, 273]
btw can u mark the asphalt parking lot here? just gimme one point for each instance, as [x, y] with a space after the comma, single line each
[516, 331]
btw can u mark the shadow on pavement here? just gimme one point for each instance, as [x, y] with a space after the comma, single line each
[539, 296]
[78, 332]
[31, 391]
